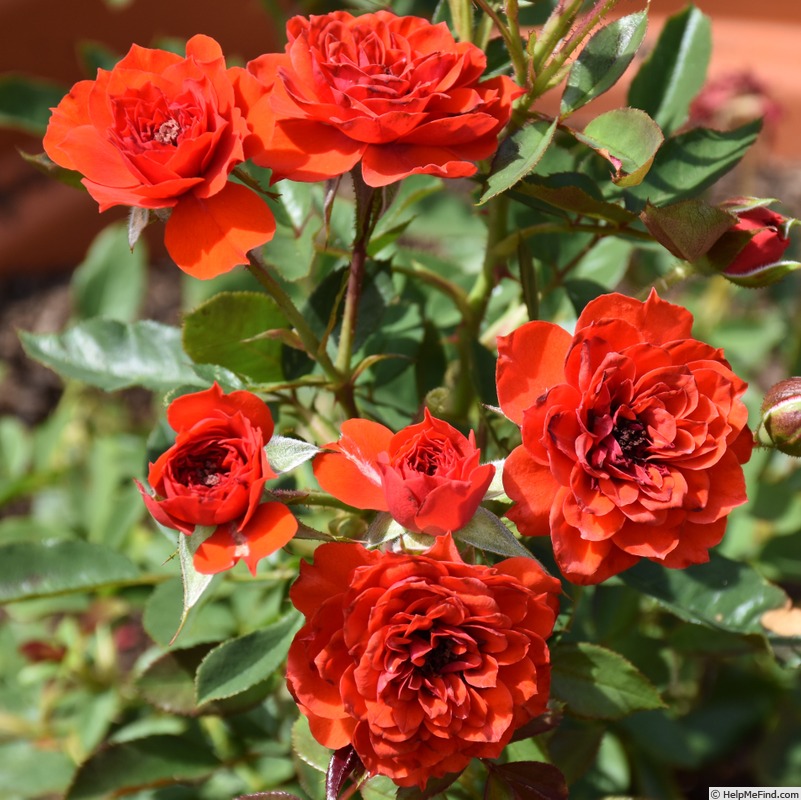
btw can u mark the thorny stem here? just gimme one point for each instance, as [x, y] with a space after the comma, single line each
[261, 272]
[511, 38]
[548, 49]
[477, 301]
[462, 15]
[341, 387]
[352, 296]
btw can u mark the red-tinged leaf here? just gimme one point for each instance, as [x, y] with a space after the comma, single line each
[432, 789]
[268, 796]
[525, 780]
[344, 764]
[689, 228]
[541, 724]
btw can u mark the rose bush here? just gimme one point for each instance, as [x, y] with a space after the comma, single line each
[214, 475]
[396, 93]
[633, 437]
[420, 662]
[159, 131]
[427, 476]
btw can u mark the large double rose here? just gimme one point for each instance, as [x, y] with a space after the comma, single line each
[427, 476]
[396, 93]
[633, 437]
[214, 476]
[420, 662]
[159, 131]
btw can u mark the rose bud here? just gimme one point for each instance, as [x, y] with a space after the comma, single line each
[767, 244]
[751, 252]
[427, 476]
[781, 416]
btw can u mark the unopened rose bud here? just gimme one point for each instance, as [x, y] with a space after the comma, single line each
[767, 244]
[751, 252]
[781, 416]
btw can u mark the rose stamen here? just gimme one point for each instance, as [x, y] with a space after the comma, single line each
[167, 132]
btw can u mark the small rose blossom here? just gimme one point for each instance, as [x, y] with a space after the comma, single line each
[396, 93]
[633, 437]
[214, 476]
[427, 476]
[420, 662]
[767, 244]
[159, 131]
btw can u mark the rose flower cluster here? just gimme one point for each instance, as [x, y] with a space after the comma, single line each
[163, 132]
[632, 432]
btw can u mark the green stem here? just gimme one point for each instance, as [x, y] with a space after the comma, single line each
[451, 290]
[462, 16]
[548, 74]
[352, 296]
[512, 40]
[312, 344]
[473, 315]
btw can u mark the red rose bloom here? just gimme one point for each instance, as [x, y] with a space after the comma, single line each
[161, 131]
[427, 476]
[396, 93]
[633, 437]
[767, 245]
[422, 663]
[214, 476]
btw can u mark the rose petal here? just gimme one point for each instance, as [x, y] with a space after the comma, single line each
[211, 236]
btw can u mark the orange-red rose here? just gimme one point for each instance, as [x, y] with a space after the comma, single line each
[160, 131]
[396, 93]
[633, 437]
[420, 662]
[214, 476]
[427, 476]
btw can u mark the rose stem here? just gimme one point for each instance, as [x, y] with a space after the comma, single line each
[310, 342]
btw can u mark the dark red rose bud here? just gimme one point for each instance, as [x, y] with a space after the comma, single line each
[767, 244]
[781, 416]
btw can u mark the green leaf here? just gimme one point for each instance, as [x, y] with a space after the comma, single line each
[139, 764]
[626, 137]
[721, 594]
[25, 103]
[210, 622]
[675, 71]
[574, 199]
[291, 253]
[28, 770]
[194, 583]
[168, 682]
[235, 666]
[598, 683]
[307, 748]
[114, 355]
[603, 60]
[689, 228]
[111, 280]
[487, 532]
[33, 569]
[236, 331]
[517, 156]
[285, 453]
[691, 162]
